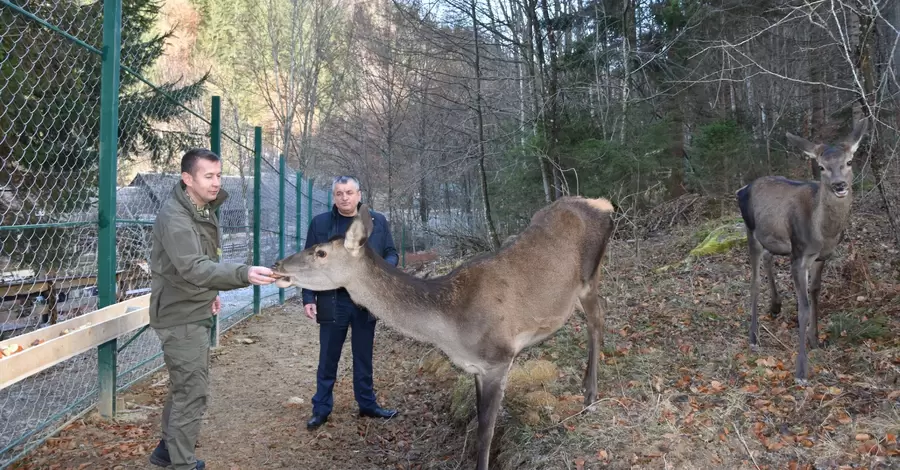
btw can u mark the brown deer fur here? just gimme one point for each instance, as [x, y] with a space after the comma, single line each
[803, 220]
[486, 311]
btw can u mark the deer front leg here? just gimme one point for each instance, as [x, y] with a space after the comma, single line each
[756, 252]
[489, 387]
[815, 288]
[800, 275]
[594, 313]
[775, 304]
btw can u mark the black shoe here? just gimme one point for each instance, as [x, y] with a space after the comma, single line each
[160, 455]
[379, 412]
[316, 421]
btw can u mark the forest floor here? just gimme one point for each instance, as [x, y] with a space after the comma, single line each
[679, 386]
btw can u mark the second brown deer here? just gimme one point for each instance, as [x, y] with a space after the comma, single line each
[805, 221]
[486, 311]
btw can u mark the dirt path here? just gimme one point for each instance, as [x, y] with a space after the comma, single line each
[251, 423]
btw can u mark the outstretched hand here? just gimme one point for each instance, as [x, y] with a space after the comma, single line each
[260, 276]
[217, 305]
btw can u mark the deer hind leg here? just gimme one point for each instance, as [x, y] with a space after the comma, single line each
[489, 389]
[596, 325]
[775, 304]
[815, 287]
[756, 253]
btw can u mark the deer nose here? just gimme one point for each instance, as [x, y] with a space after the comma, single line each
[839, 186]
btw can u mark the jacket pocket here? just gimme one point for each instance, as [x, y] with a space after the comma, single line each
[209, 247]
[326, 305]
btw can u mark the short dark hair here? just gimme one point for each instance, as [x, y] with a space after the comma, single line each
[189, 160]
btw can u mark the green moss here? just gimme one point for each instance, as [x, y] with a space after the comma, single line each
[717, 237]
[721, 239]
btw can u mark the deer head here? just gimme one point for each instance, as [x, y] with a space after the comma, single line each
[835, 162]
[328, 265]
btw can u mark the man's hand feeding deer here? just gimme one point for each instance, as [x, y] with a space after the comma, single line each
[803, 220]
[486, 311]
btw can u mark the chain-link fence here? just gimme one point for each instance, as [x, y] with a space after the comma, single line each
[55, 114]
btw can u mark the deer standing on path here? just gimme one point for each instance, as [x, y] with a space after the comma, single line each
[486, 311]
[804, 220]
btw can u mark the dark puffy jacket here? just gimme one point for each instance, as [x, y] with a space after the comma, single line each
[336, 305]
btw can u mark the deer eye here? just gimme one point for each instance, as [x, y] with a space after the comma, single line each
[821, 168]
[320, 253]
[849, 162]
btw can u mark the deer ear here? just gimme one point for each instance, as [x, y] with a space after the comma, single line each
[808, 148]
[855, 137]
[356, 237]
[367, 221]
[359, 231]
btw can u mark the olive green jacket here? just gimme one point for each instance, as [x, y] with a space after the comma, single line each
[184, 262]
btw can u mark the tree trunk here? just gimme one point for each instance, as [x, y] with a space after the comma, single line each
[629, 40]
[552, 117]
[817, 103]
[537, 73]
[479, 122]
[868, 101]
[528, 79]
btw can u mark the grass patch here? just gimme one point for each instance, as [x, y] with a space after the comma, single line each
[462, 400]
[856, 327]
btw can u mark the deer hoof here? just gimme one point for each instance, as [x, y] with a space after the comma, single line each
[754, 348]
[801, 382]
[590, 398]
[775, 309]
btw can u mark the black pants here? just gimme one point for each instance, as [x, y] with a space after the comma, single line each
[331, 341]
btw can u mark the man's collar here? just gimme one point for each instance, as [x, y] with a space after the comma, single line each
[180, 192]
[202, 211]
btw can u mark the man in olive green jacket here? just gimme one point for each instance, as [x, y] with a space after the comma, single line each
[184, 297]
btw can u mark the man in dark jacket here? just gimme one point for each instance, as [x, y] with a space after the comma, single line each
[335, 311]
[184, 297]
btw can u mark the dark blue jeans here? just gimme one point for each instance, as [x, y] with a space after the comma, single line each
[331, 341]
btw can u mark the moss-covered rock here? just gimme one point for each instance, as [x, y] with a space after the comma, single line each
[721, 239]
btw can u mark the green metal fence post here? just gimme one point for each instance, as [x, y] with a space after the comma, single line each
[299, 187]
[215, 145]
[281, 227]
[403, 244]
[215, 128]
[257, 209]
[309, 195]
[106, 248]
[328, 204]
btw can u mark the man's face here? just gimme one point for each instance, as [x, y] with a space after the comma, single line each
[346, 197]
[204, 184]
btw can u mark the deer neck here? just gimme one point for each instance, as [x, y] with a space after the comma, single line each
[413, 306]
[831, 213]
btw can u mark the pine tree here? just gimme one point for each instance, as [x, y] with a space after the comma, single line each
[50, 116]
